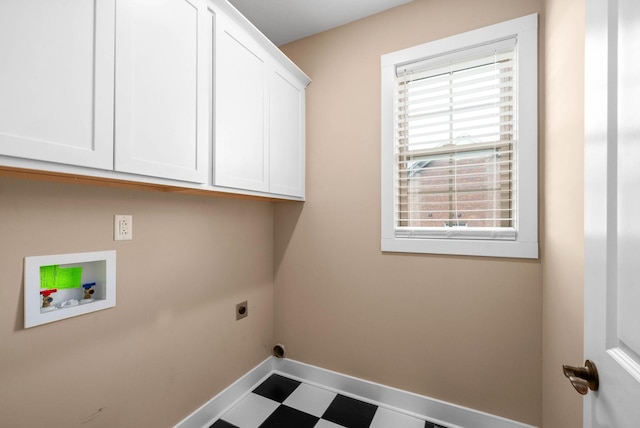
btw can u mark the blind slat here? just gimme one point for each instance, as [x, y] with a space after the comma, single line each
[440, 139]
[455, 105]
[453, 82]
[430, 97]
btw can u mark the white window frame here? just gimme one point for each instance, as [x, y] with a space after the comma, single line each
[525, 243]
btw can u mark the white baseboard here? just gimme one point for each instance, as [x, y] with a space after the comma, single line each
[448, 414]
[433, 410]
[214, 408]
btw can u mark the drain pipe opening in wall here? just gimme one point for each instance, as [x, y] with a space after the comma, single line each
[278, 350]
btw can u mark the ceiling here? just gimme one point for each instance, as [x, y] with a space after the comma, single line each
[284, 21]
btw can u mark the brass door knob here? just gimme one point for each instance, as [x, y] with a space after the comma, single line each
[583, 378]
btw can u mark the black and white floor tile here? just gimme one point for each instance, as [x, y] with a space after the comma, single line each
[287, 403]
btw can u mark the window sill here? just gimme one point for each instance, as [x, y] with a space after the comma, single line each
[459, 247]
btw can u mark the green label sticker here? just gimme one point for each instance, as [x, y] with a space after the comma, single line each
[54, 276]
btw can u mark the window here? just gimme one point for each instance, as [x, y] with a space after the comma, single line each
[459, 144]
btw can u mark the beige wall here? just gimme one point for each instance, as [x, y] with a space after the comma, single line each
[563, 206]
[461, 329]
[172, 341]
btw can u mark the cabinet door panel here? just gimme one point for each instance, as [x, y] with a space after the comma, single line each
[161, 91]
[241, 154]
[56, 81]
[286, 136]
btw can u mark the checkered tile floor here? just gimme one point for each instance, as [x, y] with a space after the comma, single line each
[286, 403]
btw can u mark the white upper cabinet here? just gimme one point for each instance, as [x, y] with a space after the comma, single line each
[56, 81]
[161, 95]
[241, 143]
[184, 93]
[286, 134]
[259, 113]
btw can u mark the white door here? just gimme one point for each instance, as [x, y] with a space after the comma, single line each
[612, 212]
[162, 125]
[56, 81]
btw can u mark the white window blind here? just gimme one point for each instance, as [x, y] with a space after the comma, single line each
[456, 143]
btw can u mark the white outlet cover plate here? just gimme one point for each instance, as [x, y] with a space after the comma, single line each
[122, 227]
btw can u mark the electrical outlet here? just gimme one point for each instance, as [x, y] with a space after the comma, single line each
[242, 310]
[122, 227]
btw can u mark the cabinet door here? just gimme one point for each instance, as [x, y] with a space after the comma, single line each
[241, 146]
[161, 89]
[286, 135]
[56, 81]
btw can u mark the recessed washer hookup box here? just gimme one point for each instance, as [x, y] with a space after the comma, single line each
[67, 285]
